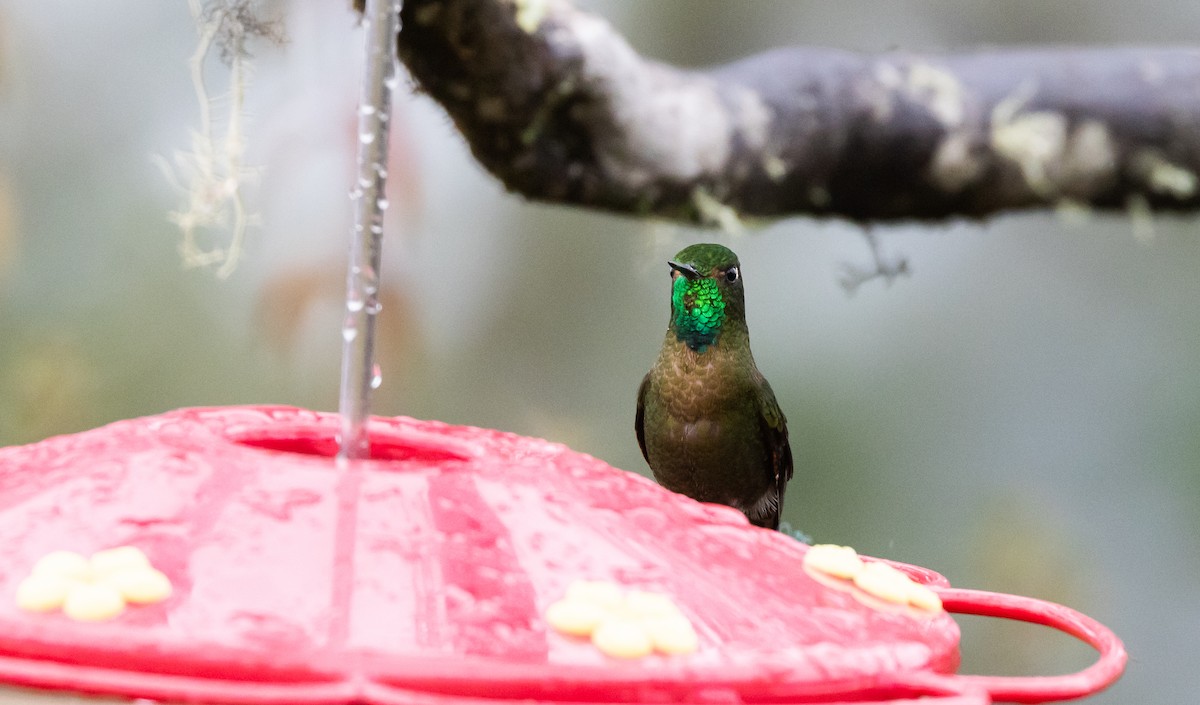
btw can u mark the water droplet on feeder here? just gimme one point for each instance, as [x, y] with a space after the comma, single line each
[376, 376]
[382, 203]
[376, 229]
[374, 307]
[349, 333]
[366, 137]
[366, 109]
[356, 194]
[354, 303]
[456, 597]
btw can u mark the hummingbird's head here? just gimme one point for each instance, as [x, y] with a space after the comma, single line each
[706, 291]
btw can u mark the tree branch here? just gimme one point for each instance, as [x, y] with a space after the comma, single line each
[558, 107]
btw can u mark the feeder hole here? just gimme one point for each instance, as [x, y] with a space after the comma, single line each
[384, 446]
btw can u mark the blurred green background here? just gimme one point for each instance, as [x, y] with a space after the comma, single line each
[1021, 414]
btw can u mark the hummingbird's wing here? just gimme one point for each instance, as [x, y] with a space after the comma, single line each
[639, 421]
[773, 426]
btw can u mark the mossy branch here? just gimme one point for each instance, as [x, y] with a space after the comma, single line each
[555, 103]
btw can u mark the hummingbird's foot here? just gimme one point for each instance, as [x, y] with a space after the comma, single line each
[785, 527]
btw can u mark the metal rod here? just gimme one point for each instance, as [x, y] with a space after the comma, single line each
[359, 373]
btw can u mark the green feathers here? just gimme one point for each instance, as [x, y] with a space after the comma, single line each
[705, 284]
[706, 257]
[698, 311]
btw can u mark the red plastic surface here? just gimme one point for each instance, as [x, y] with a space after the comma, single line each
[422, 575]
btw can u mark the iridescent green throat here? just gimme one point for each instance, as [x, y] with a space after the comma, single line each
[698, 311]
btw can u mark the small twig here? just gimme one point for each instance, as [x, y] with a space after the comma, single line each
[882, 267]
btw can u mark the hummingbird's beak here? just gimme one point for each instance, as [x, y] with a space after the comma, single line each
[686, 270]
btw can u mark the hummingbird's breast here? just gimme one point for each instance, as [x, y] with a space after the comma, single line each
[702, 425]
[696, 386]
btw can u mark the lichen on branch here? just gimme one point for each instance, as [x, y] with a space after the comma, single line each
[558, 106]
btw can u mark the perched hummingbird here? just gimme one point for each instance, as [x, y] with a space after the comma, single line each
[707, 421]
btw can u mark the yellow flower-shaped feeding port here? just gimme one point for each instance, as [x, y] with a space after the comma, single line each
[879, 580]
[622, 623]
[95, 589]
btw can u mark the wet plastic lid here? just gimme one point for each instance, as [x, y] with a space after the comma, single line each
[425, 573]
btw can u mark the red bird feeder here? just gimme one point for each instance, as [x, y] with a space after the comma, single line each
[428, 574]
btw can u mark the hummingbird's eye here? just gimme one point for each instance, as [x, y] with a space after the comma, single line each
[731, 274]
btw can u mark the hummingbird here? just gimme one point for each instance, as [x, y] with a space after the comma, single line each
[707, 420]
